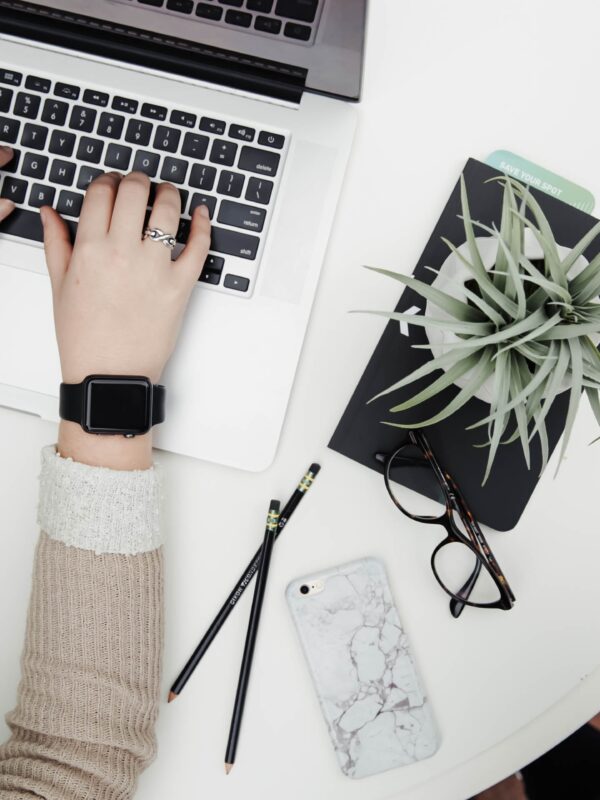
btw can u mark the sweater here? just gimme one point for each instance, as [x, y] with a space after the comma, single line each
[83, 727]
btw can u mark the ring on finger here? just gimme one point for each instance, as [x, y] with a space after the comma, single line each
[157, 235]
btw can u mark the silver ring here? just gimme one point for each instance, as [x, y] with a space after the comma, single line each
[160, 236]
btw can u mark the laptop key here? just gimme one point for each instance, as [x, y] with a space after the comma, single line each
[34, 166]
[138, 132]
[82, 119]
[67, 90]
[69, 203]
[62, 143]
[87, 175]
[10, 77]
[62, 172]
[202, 177]
[41, 195]
[233, 243]
[183, 194]
[302, 10]
[9, 130]
[259, 191]
[194, 145]
[267, 25]
[125, 104]
[6, 96]
[241, 132]
[268, 139]
[182, 6]
[157, 3]
[239, 215]
[238, 3]
[27, 105]
[167, 139]
[118, 157]
[183, 118]
[230, 183]
[34, 136]
[174, 170]
[262, 6]
[212, 125]
[236, 282]
[55, 112]
[154, 112]
[214, 263]
[239, 18]
[90, 150]
[210, 276]
[11, 166]
[146, 162]
[38, 84]
[95, 98]
[254, 160]
[294, 31]
[203, 200]
[209, 12]
[14, 189]
[223, 152]
[110, 125]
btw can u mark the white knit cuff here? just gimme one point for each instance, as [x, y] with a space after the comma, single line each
[98, 508]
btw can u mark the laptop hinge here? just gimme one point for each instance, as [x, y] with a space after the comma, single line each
[152, 50]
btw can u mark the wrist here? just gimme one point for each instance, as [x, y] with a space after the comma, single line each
[115, 452]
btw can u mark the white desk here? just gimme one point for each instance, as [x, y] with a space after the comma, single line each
[443, 81]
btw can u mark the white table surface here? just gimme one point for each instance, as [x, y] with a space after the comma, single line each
[443, 81]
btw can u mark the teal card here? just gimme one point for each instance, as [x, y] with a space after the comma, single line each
[542, 179]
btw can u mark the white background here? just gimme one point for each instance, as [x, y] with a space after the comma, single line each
[443, 81]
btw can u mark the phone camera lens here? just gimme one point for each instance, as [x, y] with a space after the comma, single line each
[304, 589]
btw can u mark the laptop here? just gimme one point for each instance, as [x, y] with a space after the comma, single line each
[247, 106]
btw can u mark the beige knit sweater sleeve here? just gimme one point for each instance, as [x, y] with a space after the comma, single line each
[84, 724]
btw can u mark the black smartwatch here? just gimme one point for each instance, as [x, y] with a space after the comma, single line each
[113, 404]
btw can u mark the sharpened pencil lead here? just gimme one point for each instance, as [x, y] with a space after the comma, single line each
[172, 696]
[228, 768]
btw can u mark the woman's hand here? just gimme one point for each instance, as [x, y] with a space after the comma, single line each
[119, 301]
[6, 205]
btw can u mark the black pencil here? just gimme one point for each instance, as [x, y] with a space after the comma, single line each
[253, 623]
[240, 586]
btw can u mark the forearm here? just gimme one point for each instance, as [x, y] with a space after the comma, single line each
[115, 452]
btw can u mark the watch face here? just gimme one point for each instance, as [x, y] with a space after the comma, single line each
[118, 405]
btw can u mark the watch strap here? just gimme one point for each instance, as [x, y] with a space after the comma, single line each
[70, 406]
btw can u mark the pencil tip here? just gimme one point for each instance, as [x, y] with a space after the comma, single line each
[314, 468]
[228, 768]
[172, 697]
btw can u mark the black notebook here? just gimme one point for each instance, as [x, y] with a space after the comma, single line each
[360, 433]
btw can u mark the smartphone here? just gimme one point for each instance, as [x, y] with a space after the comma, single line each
[372, 699]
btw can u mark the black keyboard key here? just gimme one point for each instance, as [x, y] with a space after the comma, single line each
[62, 143]
[87, 175]
[259, 191]
[11, 166]
[82, 119]
[202, 177]
[194, 145]
[37, 84]
[262, 161]
[34, 166]
[167, 139]
[203, 200]
[294, 31]
[214, 263]
[239, 18]
[223, 152]
[262, 6]
[236, 282]
[183, 194]
[146, 162]
[34, 136]
[154, 112]
[139, 132]
[209, 12]
[14, 189]
[28, 225]
[183, 118]
[174, 170]
[55, 112]
[9, 130]
[230, 183]
[69, 203]
[118, 157]
[157, 3]
[268, 139]
[10, 77]
[210, 276]
[241, 132]
[125, 104]
[183, 6]
[233, 243]
[237, 3]
[183, 230]
[5, 98]
[267, 25]
[41, 195]
[27, 105]
[110, 125]
[95, 98]
[239, 215]
[302, 10]
[62, 172]
[67, 90]
[90, 150]
[212, 125]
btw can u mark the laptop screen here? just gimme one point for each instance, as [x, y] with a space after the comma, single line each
[276, 48]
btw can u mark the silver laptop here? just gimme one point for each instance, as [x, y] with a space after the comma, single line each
[246, 105]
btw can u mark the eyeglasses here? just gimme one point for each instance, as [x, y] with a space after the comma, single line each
[462, 563]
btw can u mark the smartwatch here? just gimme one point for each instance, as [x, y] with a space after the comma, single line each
[128, 405]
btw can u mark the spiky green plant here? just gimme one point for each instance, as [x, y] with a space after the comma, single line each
[530, 324]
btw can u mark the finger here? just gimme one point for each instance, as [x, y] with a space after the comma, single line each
[6, 154]
[6, 206]
[98, 203]
[130, 207]
[165, 211]
[192, 259]
[57, 244]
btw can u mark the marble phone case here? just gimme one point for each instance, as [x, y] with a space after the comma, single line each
[375, 708]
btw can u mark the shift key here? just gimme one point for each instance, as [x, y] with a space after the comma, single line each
[233, 243]
[241, 216]
[264, 162]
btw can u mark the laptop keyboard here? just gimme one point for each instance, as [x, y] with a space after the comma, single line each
[65, 134]
[291, 20]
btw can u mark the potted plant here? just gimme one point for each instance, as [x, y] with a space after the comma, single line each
[513, 318]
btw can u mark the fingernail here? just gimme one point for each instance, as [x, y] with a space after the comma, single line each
[5, 148]
[43, 214]
[6, 205]
[204, 211]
